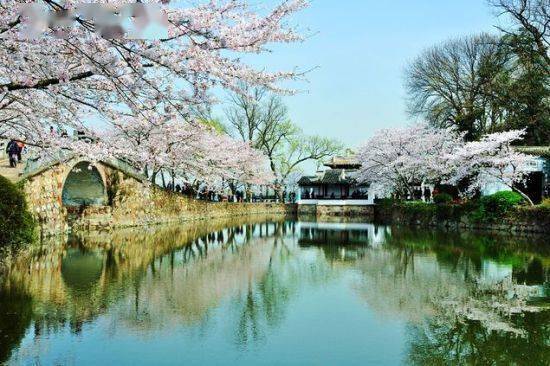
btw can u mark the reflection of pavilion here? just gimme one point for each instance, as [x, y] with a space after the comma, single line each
[341, 241]
[341, 234]
[332, 237]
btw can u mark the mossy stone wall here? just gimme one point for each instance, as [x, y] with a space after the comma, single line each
[519, 219]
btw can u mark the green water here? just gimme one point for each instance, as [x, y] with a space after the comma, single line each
[270, 292]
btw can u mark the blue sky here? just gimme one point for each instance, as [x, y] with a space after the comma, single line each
[361, 48]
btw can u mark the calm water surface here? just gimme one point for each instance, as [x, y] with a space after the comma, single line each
[276, 293]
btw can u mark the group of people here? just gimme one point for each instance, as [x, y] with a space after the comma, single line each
[14, 149]
[205, 194]
[60, 132]
[186, 190]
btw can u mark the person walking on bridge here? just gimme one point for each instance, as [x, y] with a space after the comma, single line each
[12, 149]
[21, 146]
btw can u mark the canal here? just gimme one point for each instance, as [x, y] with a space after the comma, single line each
[273, 292]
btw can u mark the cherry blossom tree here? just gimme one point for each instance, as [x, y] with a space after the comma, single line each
[395, 160]
[489, 160]
[77, 67]
[195, 153]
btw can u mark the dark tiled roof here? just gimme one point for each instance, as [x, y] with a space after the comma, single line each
[304, 181]
[334, 176]
[331, 176]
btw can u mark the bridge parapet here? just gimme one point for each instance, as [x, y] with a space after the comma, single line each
[37, 164]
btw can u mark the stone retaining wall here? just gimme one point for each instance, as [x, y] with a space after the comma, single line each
[131, 202]
[320, 211]
[44, 198]
[171, 209]
[519, 220]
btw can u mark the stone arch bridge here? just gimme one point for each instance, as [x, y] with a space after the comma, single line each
[62, 192]
[76, 193]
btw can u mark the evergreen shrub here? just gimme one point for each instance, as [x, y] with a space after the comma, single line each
[494, 207]
[16, 223]
[443, 198]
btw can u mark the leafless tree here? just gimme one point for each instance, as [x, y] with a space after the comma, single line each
[447, 84]
[532, 16]
[262, 119]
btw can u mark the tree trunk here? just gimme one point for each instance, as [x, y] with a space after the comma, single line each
[233, 188]
[280, 193]
[526, 197]
[173, 174]
[248, 193]
[163, 180]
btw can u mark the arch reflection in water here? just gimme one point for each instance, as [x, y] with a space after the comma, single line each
[81, 269]
[250, 292]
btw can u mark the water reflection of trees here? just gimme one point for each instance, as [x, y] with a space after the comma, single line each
[162, 277]
[451, 247]
[262, 306]
[465, 295]
[15, 318]
[469, 343]
[142, 279]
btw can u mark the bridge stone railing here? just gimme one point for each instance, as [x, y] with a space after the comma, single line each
[35, 164]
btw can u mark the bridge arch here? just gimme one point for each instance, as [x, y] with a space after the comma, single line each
[84, 185]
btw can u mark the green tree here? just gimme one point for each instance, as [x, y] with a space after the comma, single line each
[16, 223]
[521, 92]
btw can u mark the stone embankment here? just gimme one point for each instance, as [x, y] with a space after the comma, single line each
[326, 211]
[160, 207]
[518, 220]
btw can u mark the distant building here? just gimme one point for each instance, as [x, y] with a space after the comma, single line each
[537, 184]
[336, 191]
[339, 182]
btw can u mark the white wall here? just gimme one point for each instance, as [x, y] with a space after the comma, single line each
[495, 185]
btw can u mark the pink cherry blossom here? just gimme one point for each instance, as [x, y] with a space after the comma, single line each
[395, 160]
[71, 75]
